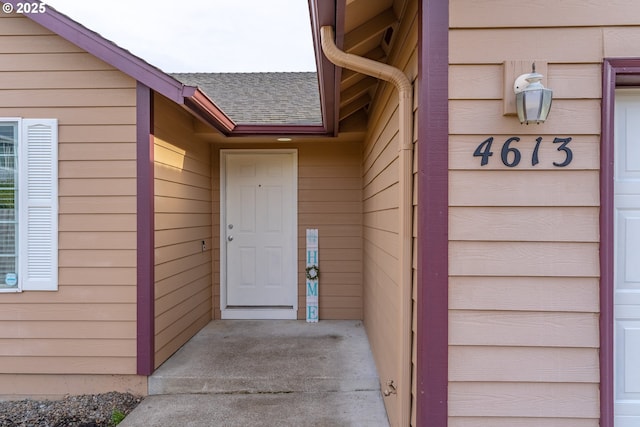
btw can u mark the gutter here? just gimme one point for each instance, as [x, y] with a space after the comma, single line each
[405, 208]
[196, 101]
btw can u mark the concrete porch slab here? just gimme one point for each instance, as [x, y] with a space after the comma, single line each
[267, 373]
[272, 356]
[341, 409]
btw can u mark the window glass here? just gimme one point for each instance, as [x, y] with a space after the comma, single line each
[8, 205]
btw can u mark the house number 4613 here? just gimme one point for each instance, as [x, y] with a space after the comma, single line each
[511, 156]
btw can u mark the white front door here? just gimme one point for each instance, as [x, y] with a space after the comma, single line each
[627, 259]
[258, 234]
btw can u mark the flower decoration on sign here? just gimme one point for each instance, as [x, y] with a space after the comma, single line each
[313, 272]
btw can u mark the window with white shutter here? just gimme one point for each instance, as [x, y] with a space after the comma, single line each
[8, 205]
[28, 205]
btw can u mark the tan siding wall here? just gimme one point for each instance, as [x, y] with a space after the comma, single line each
[524, 241]
[381, 199]
[182, 221]
[329, 199]
[36, 386]
[88, 326]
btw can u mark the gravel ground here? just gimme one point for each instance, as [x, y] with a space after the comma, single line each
[90, 410]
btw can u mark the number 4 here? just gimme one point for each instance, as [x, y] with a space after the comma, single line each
[484, 150]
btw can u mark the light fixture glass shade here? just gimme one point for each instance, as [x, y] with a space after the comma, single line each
[533, 101]
[533, 105]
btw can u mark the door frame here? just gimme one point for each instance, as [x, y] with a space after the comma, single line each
[616, 73]
[257, 313]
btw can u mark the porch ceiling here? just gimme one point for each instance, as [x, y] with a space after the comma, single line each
[364, 28]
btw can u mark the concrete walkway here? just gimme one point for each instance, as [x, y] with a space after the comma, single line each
[267, 373]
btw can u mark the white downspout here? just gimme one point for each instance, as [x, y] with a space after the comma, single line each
[405, 208]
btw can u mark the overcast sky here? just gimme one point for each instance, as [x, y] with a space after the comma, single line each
[203, 35]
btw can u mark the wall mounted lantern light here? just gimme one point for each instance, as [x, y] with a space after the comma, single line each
[533, 101]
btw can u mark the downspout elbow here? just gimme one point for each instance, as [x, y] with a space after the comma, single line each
[364, 65]
[378, 70]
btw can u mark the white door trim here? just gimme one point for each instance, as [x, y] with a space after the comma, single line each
[256, 313]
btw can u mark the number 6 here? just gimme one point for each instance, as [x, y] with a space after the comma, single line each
[506, 149]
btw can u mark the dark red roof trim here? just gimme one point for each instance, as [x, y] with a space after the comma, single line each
[323, 12]
[289, 130]
[107, 51]
[433, 214]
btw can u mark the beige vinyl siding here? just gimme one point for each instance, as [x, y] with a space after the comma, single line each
[544, 13]
[37, 386]
[88, 326]
[329, 199]
[382, 304]
[524, 263]
[182, 223]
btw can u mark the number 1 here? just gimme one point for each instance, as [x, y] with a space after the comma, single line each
[534, 158]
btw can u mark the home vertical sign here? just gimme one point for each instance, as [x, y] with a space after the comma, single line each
[312, 275]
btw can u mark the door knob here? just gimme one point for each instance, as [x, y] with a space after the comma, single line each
[230, 238]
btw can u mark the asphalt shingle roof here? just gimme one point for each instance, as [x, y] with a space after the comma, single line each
[288, 98]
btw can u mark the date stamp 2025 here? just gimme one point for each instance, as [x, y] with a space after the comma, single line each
[25, 8]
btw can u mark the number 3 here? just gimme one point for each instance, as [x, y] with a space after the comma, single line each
[567, 151]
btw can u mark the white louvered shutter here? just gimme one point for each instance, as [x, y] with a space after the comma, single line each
[38, 198]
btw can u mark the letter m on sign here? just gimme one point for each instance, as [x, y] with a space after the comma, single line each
[312, 289]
